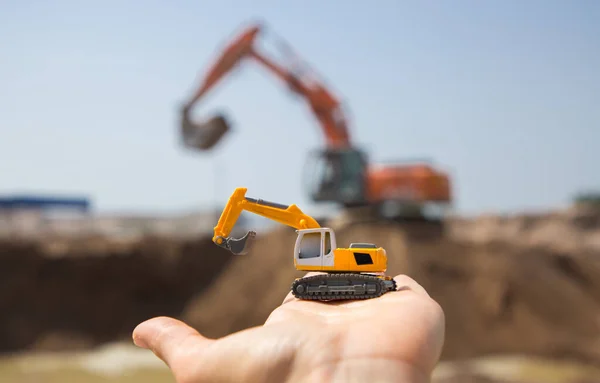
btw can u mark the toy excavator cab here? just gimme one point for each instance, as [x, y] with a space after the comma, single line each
[337, 175]
[314, 247]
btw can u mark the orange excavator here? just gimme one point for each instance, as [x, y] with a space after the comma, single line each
[340, 172]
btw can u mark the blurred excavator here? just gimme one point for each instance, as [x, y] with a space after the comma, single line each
[340, 172]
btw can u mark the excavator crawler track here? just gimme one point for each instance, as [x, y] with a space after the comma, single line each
[338, 286]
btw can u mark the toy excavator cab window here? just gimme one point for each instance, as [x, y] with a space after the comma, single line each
[310, 247]
[327, 243]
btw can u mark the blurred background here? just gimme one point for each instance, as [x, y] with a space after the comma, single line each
[460, 136]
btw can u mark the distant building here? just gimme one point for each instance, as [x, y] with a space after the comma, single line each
[41, 203]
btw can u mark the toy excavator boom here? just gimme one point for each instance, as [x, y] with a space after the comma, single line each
[288, 215]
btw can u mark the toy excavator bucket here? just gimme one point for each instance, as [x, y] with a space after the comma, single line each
[242, 245]
[203, 135]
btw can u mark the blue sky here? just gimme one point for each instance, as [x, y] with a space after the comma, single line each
[505, 95]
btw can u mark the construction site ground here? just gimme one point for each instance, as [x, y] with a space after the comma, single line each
[514, 289]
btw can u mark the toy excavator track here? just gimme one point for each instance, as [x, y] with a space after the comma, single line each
[338, 286]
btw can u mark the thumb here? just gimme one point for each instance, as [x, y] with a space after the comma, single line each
[167, 338]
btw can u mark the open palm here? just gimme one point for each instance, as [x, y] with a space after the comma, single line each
[396, 337]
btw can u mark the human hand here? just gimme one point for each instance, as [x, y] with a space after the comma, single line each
[397, 337]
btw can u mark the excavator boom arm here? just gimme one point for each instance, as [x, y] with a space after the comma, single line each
[288, 215]
[324, 105]
[233, 53]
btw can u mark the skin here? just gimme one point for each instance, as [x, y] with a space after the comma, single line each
[397, 337]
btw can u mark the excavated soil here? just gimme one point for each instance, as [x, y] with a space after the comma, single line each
[499, 297]
[65, 297]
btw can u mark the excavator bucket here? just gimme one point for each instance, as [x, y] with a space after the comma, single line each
[203, 135]
[242, 245]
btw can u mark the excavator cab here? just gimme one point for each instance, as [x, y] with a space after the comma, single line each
[314, 247]
[337, 175]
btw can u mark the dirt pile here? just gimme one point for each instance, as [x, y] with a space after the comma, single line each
[573, 230]
[500, 294]
[57, 297]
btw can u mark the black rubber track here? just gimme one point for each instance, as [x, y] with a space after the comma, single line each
[316, 280]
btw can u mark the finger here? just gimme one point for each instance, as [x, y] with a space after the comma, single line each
[166, 337]
[404, 282]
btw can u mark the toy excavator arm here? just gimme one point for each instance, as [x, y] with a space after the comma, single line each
[288, 215]
[322, 102]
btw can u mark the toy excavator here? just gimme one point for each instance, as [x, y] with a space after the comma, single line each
[356, 272]
[340, 172]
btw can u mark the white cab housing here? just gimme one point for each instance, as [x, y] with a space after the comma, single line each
[314, 247]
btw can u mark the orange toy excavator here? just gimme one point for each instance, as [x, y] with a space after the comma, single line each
[340, 172]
